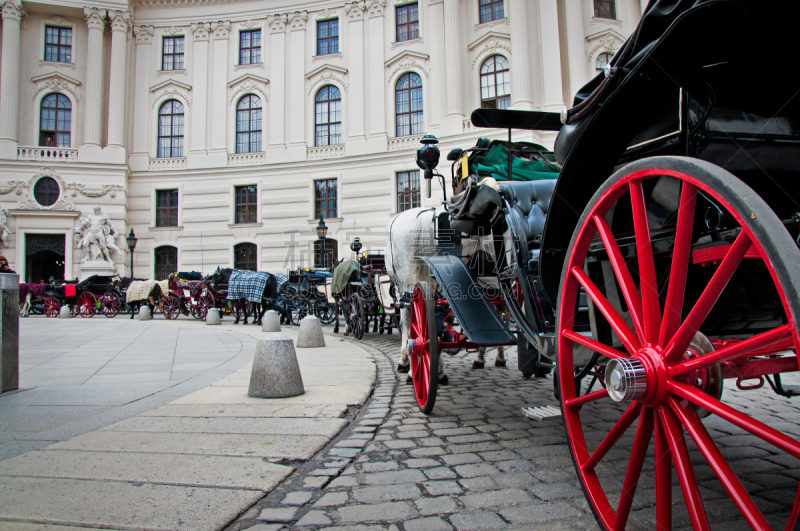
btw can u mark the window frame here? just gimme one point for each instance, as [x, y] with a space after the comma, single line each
[326, 210]
[406, 24]
[158, 268]
[173, 55]
[327, 125]
[172, 136]
[58, 46]
[328, 39]
[169, 211]
[597, 59]
[251, 247]
[56, 131]
[493, 12]
[252, 130]
[45, 179]
[250, 48]
[246, 205]
[410, 113]
[495, 100]
[408, 196]
[600, 7]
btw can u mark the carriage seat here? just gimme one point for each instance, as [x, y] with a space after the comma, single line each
[531, 201]
[188, 284]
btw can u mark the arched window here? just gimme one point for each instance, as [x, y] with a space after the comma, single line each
[245, 256]
[248, 124]
[170, 130]
[166, 261]
[602, 60]
[408, 105]
[328, 116]
[495, 83]
[56, 118]
[331, 252]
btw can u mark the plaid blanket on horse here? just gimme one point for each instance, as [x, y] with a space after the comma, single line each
[281, 279]
[247, 285]
[139, 290]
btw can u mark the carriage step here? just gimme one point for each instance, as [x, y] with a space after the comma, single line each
[541, 412]
[790, 390]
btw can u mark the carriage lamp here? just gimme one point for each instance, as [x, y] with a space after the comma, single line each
[428, 158]
[322, 231]
[355, 246]
[131, 239]
[626, 379]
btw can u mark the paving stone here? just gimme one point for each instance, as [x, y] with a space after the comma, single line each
[285, 514]
[379, 512]
[422, 463]
[400, 444]
[386, 493]
[460, 459]
[533, 514]
[399, 476]
[259, 527]
[439, 505]
[556, 491]
[332, 499]
[478, 469]
[412, 434]
[475, 521]
[430, 441]
[296, 498]
[427, 524]
[496, 498]
[440, 473]
[381, 466]
[479, 484]
[343, 481]
[432, 451]
[315, 482]
[314, 518]
[477, 438]
[447, 432]
[436, 488]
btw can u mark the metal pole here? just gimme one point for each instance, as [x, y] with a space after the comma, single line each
[322, 252]
[131, 263]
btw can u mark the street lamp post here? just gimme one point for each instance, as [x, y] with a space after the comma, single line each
[131, 239]
[322, 231]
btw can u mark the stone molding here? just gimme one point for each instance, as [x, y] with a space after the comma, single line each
[277, 23]
[221, 29]
[120, 20]
[298, 19]
[144, 34]
[329, 13]
[326, 74]
[170, 88]
[608, 40]
[407, 60]
[95, 18]
[172, 30]
[200, 31]
[72, 189]
[354, 11]
[249, 24]
[375, 7]
[56, 81]
[13, 10]
[246, 84]
[489, 44]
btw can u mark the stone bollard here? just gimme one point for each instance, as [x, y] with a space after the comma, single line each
[275, 373]
[9, 332]
[144, 313]
[310, 333]
[65, 313]
[272, 322]
[212, 317]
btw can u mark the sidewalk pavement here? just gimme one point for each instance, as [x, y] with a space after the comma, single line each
[171, 451]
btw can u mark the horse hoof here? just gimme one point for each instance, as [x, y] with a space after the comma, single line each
[444, 380]
[403, 368]
[409, 379]
[477, 365]
[499, 363]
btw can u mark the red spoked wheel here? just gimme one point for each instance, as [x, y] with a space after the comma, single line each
[206, 301]
[660, 368]
[172, 307]
[423, 348]
[87, 304]
[52, 307]
[109, 304]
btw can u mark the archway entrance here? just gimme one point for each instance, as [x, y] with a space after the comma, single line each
[44, 257]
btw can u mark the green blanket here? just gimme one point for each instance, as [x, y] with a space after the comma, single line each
[341, 276]
[495, 163]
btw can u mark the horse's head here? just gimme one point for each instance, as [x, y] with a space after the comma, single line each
[221, 276]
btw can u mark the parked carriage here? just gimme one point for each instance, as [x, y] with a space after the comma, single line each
[94, 294]
[303, 293]
[668, 262]
[197, 296]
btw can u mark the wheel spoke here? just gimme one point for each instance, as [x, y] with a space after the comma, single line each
[651, 305]
[683, 466]
[680, 263]
[596, 346]
[626, 283]
[613, 436]
[775, 335]
[663, 480]
[720, 465]
[585, 399]
[678, 344]
[643, 433]
[737, 418]
[622, 329]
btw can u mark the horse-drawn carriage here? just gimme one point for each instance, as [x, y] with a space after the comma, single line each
[85, 298]
[303, 293]
[668, 262]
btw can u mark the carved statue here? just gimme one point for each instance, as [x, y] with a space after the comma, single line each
[4, 232]
[95, 235]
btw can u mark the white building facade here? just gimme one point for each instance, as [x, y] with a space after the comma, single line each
[220, 130]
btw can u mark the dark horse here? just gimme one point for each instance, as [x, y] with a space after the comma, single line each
[269, 299]
[153, 298]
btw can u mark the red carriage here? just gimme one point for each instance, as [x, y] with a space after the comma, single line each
[85, 298]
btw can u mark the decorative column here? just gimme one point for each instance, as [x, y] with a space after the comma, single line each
[553, 91]
[454, 51]
[521, 81]
[437, 108]
[354, 110]
[93, 118]
[140, 157]
[200, 79]
[277, 100]
[376, 88]
[219, 92]
[576, 48]
[120, 24]
[10, 79]
[297, 83]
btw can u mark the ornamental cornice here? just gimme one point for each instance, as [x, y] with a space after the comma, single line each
[59, 20]
[355, 10]
[489, 44]
[200, 31]
[277, 23]
[67, 188]
[120, 20]
[13, 10]
[56, 81]
[249, 24]
[407, 60]
[298, 19]
[172, 30]
[170, 88]
[608, 40]
[328, 13]
[375, 7]
[326, 74]
[221, 29]
[144, 34]
[95, 18]
[248, 83]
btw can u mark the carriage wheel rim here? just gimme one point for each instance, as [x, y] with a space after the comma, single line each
[420, 357]
[664, 409]
[87, 305]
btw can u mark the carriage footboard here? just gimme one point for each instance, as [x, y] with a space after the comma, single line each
[479, 320]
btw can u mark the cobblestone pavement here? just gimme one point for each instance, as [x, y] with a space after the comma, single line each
[478, 463]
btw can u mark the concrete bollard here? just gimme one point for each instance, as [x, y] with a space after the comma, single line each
[65, 313]
[144, 313]
[212, 317]
[310, 333]
[272, 322]
[275, 373]
[9, 332]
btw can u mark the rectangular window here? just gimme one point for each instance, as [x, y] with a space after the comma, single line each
[172, 58]
[166, 208]
[407, 190]
[246, 204]
[605, 9]
[325, 198]
[407, 22]
[58, 44]
[491, 10]
[328, 37]
[250, 47]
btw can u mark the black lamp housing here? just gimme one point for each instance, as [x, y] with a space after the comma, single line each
[321, 228]
[355, 245]
[131, 239]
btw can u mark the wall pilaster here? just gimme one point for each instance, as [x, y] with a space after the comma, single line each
[521, 85]
[13, 13]
[140, 157]
[219, 90]
[553, 91]
[201, 76]
[376, 59]
[277, 101]
[354, 110]
[297, 98]
[120, 25]
[93, 106]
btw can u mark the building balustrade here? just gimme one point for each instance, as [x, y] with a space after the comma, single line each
[49, 154]
[246, 159]
[404, 142]
[324, 152]
[177, 163]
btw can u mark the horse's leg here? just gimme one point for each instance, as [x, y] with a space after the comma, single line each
[134, 308]
[336, 313]
[405, 325]
[500, 359]
[26, 308]
[375, 326]
[443, 379]
[480, 361]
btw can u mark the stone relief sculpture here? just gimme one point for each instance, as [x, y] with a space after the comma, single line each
[4, 232]
[95, 234]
